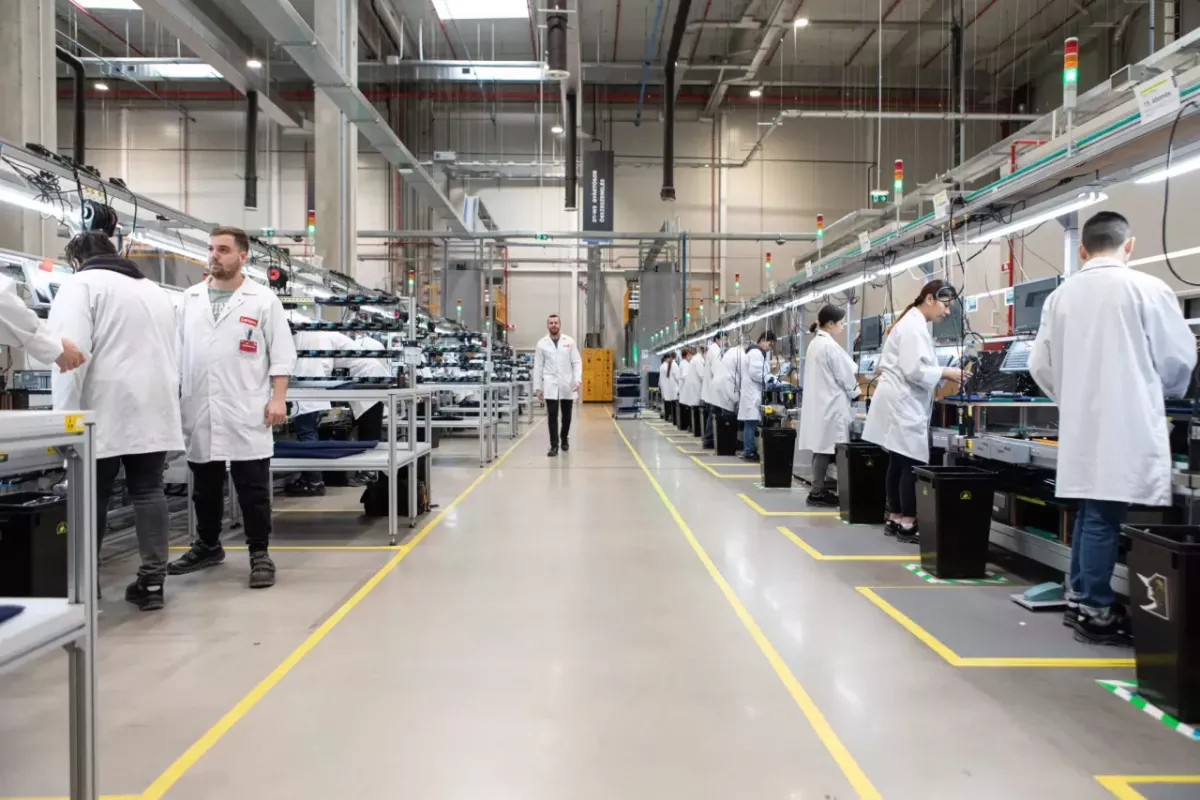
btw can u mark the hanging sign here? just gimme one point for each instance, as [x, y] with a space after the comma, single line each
[808, 270]
[598, 190]
[864, 242]
[941, 206]
[1157, 98]
[972, 305]
[1008, 297]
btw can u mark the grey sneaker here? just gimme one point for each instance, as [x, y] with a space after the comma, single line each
[262, 570]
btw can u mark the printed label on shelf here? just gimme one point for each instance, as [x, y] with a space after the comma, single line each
[864, 242]
[1157, 98]
[972, 304]
[941, 206]
[1008, 297]
[73, 423]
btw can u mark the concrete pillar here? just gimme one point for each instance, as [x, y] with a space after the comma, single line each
[336, 144]
[27, 95]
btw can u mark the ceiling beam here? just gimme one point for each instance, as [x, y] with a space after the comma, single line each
[198, 33]
[778, 23]
[931, 16]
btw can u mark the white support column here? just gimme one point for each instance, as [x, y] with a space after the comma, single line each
[336, 144]
[1070, 223]
[27, 95]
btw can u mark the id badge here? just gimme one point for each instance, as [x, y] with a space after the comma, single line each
[248, 346]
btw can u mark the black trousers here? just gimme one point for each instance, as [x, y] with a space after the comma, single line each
[144, 482]
[902, 485]
[251, 481]
[369, 424]
[552, 409]
[669, 407]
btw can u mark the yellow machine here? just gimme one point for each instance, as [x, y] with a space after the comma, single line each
[597, 375]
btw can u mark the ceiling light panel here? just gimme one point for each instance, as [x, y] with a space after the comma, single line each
[481, 9]
[108, 5]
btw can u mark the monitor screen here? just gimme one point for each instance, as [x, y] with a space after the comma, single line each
[951, 328]
[872, 334]
[1028, 299]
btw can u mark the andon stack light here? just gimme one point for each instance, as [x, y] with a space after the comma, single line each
[312, 222]
[1070, 71]
[820, 226]
[898, 181]
[458, 309]
[767, 265]
[412, 280]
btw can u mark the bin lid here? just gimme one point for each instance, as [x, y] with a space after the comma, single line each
[1176, 538]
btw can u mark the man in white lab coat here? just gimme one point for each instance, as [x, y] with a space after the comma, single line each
[129, 386]
[754, 380]
[693, 384]
[712, 361]
[20, 327]
[668, 375]
[1112, 344]
[236, 354]
[557, 376]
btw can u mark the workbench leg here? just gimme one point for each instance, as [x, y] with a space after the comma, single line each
[82, 693]
[413, 472]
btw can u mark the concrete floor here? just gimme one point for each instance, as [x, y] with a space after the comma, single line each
[625, 621]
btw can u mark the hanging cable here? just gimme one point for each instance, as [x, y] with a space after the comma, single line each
[1167, 195]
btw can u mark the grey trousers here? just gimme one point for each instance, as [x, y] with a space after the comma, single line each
[144, 482]
[820, 470]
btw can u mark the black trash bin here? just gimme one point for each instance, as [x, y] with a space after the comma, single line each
[1164, 593]
[954, 514]
[862, 483]
[726, 431]
[33, 545]
[778, 455]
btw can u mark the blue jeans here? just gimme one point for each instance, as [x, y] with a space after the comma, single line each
[305, 428]
[749, 446]
[1094, 552]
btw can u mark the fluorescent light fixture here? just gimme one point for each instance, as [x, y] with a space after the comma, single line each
[170, 245]
[1082, 201]
[916, 261]
[481, 9]
[801, 22]
[756, 92]
[1191, 251]
[108, 5]
[1177, 168]
[185, 71]
[557, 130]
[253, 63]
[100, 87]
[15, 198]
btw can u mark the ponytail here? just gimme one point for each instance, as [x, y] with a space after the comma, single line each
[813, 328]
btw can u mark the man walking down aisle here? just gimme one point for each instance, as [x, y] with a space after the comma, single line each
[235, 354]
[557, 376]
[1112, 344]
[131, 384]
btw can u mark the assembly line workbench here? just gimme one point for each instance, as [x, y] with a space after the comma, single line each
[387, 457]
[48, 623]
[487, 420]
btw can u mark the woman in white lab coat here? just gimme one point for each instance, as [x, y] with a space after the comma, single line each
[898, 418]
[830, 386]
[754, 381]
[689, 393]
[668, 384]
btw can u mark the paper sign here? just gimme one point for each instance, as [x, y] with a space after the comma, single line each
[972, 305]
[1157, 98]
[1008, 297]
[73, 423]
[941, 206]
[808, 270]
[864, 242]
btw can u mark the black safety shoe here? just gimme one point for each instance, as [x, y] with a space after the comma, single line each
[1112, 628]
[566, 446]
[146, 594]
[825, 499]
[201, 556]
[908, 535]
[552, 452]
[890, 527]
[262, 570]
[304, 489]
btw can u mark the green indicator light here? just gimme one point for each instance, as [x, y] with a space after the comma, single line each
[1070, 75]
[541, 237]
[820, 233]
[898, 186]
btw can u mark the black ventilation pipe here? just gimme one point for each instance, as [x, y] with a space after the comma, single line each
[556, 40]
[572, 133]
[80, 99]
[681, 17]
[251, 177]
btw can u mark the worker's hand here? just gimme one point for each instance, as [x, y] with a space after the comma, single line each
[275, 413]
[540, 395]
[577, 387]
[953, 374]
[71, 357]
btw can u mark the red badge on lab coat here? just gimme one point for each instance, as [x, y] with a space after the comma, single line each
[251, 321]
[248, 346]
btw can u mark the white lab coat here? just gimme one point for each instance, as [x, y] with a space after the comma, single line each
[830, 385]
[226, 368]
[1112, 344]
[898, 420]
[313, 367]
[712, 360]
[130, 382]
[754, 379]
[693, 381]
[725, 379]
[362, 367]
[668, 381]
[557, 369]
[20, 327]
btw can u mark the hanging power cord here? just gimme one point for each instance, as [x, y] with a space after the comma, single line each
[1167, 195]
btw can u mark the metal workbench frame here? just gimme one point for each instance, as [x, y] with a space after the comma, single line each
[489, 413]
[70, 622]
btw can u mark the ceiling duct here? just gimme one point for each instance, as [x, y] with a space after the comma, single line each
[297, 38]
[669, 90]
[572, 137]
[556, 40]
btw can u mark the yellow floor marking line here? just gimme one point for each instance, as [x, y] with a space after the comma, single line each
[102, 797]
[275, 548]
[850, 768]
[689, 452]
[715, 474]
[175, 771]
[819, 556]
[358, 510]
[733, 464]
[954, 659]
[1122, 789]
[765, 513]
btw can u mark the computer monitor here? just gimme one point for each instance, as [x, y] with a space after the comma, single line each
[1028, 299]
[950, 329]
[871, 337]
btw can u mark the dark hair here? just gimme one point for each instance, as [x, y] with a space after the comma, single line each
[89, 244]
[931, 289]
[766, 336]
[827, 314]
[1104, 232]
[552, 316]
[239, 236]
